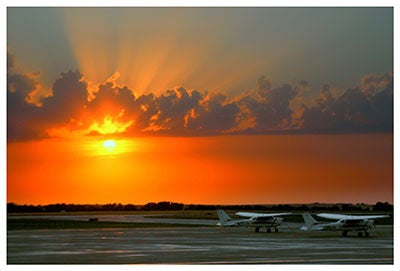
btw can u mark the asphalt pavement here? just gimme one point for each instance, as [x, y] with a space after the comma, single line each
[200, 245]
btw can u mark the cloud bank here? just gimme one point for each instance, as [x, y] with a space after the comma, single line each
[80, 107]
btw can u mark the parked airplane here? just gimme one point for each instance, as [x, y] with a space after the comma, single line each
[344, 223]
[256, 220]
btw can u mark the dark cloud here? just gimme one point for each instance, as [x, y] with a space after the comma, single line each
[22, 85]
[21, 115]
[368, 108]
[173, 106]
[147, 110]
[10, 62]
[68, 100]
[271, 107]
[213, 115]
[179, 111]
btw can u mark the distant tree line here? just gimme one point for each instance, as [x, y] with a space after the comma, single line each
[383, 207]
[166, 205]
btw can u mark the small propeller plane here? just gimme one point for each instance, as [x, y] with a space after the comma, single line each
[256, 220]
[344, 223]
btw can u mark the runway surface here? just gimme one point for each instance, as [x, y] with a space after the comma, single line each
[202, 245]
[121, 218]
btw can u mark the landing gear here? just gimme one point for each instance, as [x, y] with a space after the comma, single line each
[269, 230]
[359, 234]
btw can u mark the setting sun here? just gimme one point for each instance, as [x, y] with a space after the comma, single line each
[111, 147]
[109, 144]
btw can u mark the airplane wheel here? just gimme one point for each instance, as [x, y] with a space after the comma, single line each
[366, 234]
[359, 234]
[257, 229]
[344, 233]
[268, 230]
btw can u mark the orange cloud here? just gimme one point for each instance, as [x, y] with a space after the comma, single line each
[77, 106]
[109, 126]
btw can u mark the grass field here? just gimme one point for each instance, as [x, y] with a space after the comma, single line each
[37, 223]
[190, 213]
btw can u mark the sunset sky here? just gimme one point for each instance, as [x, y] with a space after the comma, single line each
[199, 105]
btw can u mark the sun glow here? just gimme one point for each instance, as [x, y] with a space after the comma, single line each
[112, 147]
[109, 147]
[110, 125]
[109, 144]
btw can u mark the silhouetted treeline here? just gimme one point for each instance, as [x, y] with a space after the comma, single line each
[382, 207]
[166, 205]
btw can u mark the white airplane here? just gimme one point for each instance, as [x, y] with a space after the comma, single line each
[256, 220]
[344, 223]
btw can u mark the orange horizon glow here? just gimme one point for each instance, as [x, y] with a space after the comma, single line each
[203, 170]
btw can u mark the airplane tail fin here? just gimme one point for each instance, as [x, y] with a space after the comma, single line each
[223, 217]
[309, 220]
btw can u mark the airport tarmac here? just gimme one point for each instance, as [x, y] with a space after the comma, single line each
[200, 245]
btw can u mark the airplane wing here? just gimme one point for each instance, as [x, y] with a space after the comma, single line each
[248, 214]
[350, 217]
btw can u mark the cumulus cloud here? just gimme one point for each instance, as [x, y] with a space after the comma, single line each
[87, 108]
[21, 115]
[367, 108]
[213, 115]
[172, 108]
[68, 100]
[270, 108]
